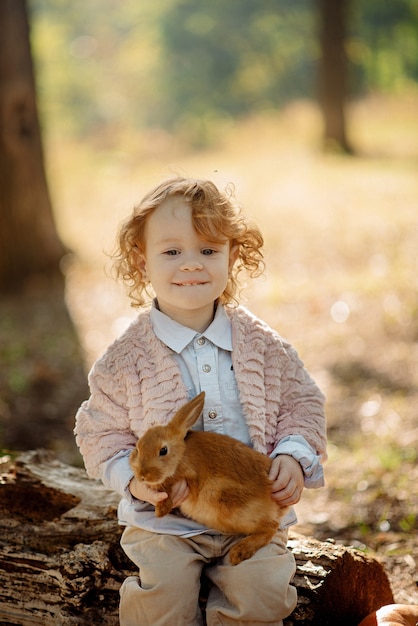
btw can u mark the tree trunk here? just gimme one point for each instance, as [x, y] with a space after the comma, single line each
[333, 87]
[42, 378]
[29, 243]
[60, 560]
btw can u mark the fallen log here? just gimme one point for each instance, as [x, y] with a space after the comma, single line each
[61, 563]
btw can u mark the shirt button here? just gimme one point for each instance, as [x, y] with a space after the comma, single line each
[201, 341]
[212, 414]
[206, 368]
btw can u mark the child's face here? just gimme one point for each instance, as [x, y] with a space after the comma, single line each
[187, 273]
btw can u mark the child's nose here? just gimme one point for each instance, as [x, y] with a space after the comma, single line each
[191, 264]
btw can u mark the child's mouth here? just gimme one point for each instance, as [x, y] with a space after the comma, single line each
[191, 284]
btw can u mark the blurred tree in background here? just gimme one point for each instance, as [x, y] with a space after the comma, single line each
[29, 243]
[189, 66]
[41, 370]
[333, 71]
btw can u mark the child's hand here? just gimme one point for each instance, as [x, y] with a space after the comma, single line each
[141, 491]
[179, 492]
[288, 478]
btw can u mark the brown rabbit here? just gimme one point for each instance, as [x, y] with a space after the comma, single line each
[230, 490]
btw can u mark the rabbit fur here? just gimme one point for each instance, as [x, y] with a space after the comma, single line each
[230, 490]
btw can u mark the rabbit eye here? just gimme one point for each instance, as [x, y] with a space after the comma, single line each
[163, 451]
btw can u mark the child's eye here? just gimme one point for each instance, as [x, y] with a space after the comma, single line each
[208, 251]
[171, 252]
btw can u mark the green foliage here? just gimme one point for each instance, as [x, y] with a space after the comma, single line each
[409, 523]
[96, 63]
[383, 44]
[183, 65]
[235, 57]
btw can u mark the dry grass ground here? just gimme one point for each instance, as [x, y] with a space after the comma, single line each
[341, 284]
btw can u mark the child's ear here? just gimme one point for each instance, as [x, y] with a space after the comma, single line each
[233, 255]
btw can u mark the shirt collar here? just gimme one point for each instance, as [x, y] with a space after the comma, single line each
[177, 337]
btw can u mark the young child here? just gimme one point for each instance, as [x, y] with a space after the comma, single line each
[185, 244]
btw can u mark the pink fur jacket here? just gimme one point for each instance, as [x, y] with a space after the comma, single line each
[137, 384]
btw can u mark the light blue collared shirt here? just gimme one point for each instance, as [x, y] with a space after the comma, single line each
[205, 363]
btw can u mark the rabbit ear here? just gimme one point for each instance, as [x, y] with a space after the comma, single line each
[185, 417]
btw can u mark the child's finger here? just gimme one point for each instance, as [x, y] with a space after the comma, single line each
[160, 495]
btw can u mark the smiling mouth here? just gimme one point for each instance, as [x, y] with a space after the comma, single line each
[190, 284]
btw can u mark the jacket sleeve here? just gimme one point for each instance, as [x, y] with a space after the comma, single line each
[102, 422]
[311, 463]
[301, 404]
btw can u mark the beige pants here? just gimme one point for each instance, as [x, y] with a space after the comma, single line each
[255, 592]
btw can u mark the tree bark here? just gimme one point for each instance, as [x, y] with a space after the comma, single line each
[42, 377]
[333, 80]
[61, 563]
[29, 243]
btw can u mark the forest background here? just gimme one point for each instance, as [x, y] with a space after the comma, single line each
[130, 93]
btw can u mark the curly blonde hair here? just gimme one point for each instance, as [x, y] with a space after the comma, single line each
[216, 217]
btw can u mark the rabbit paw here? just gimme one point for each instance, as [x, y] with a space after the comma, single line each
[240, 552]
[164, 507]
